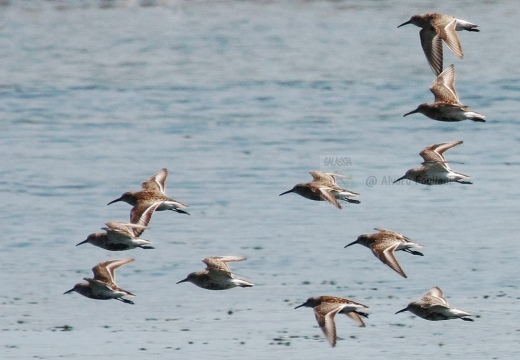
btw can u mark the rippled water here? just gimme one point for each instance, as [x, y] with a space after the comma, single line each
[239, 100]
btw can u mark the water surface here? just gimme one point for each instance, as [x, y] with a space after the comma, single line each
[239, 100]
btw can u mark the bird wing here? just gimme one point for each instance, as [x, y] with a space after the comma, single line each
[430, 155]
[319, 176]
[435, 297]
[442, 147]
[448, 33]
[123, 230]
[104, 271]
[141, 214]
[118, 229]
[220, 262]
[100, 286]
[434, 153]
[433, 168]
[325, 313]
[326, 194]
[355, 316]
[443, 87]
[334, 177]
[432, 47]
[393, 234]
[156, 182]
[384, 251]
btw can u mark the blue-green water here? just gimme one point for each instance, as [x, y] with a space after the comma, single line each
[239, 100]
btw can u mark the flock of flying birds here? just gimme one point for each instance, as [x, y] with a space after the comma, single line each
[119, 236]
[435, 29]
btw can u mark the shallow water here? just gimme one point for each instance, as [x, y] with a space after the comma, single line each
[239, 100]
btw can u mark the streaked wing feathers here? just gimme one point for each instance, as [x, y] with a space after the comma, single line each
[448, 33]
[220, 262]
[384, 251]
[104, 272]
[443, 87]
[432, 47]
[325, 313]
[156, 182]
[326, 194]
[355, 316]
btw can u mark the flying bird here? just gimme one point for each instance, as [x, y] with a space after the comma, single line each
[103, 286]
[217, 275]
[435, 307]
[435, 169]
[152, 196]
[326, 308]
[447, 106]
[383, 245]
[436, 28]
[323, 187]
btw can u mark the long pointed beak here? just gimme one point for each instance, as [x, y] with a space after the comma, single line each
[400, 311]
[401, 178]
[183, 281]
[299, 306]
[352, 243]
[116, 200]
[68, 291]
[405, 23]
[83, 242]
[288, 191]
[411, 112]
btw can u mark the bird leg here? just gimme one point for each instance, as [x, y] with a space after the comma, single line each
[126, 301]
[413, 252]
